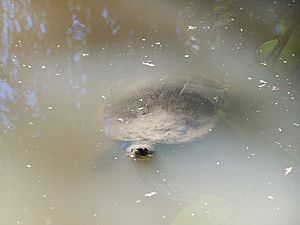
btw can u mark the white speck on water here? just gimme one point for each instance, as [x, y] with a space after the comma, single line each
[103, 97]
[28, 166]
[249, 78]
[296, 124]
[29, 66]
[57, 74]
[193, 214]
[138, 201]
[263, 63]
[150, 194]
[20, 81]
[207, 211]
[191, 27]
[116, 158]
[140, 108]
[43, 67]
[270, 197]
[141, 100]
[279, 129]
[30, 123]
[262, 83]
[241, 29]
[288, 170]
[85, 54]
[44, 196]
[50, 107]
[121, 120]
[218, 163]
[205, 203]
[186, 56]
[148, 64]
[284, 61]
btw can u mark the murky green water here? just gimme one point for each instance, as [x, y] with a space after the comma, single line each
[62, 62]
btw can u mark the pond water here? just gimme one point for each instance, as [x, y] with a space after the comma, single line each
[63, 62]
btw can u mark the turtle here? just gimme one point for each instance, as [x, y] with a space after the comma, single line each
[167, 111]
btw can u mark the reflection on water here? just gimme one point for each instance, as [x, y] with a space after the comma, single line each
[61, 62]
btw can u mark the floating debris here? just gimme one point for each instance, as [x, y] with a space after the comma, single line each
[288, 170]
[148, 64]
[192, 28]
[262, 83]
[263, 64]
[150, 194]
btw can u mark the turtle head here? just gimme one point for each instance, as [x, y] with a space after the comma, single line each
[140, 151]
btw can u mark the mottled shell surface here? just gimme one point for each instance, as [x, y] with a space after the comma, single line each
[166, 111]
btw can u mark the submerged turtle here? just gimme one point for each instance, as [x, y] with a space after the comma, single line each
[168, 111]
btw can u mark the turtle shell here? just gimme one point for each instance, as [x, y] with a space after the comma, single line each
[166, 111]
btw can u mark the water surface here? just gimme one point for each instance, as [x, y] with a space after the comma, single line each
[62, 62]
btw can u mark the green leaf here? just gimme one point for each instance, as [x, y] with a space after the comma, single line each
[266, 48]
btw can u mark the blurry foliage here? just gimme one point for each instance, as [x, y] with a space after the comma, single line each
[282, 53]
[223, 10]
[212, 210]
[271, 29]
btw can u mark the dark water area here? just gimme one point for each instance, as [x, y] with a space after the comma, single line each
[63, 63]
